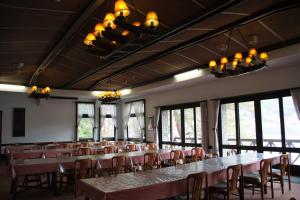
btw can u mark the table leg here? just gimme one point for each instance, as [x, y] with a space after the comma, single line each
[54, 183]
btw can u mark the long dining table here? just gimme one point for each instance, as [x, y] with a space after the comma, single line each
[23, 167]
[166, 182]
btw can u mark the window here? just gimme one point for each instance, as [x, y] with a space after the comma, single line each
[85, 121]
[262, 122]
[136, 122]
[180, 125]
[108, 121]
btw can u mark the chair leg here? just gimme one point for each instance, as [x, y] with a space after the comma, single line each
[272, 189]
[253, 188]
[282, 185]
[262, 191]
[289, 179]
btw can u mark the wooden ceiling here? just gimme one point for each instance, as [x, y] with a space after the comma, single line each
[41, 41]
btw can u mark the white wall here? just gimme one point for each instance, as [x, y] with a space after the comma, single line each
[51, 120]
[282, 77]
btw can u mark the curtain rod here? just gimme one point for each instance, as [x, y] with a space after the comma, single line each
[282, 90]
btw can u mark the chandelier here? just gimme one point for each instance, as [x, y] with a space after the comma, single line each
[109, 96]
[36, 92]
[238, 65]
[108, 28]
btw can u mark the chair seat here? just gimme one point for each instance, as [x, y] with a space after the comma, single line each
[252, 178]
[219, 188]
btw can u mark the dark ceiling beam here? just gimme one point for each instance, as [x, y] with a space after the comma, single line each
[205, 66]
[208, 14]
[240, 22]
[72, 31]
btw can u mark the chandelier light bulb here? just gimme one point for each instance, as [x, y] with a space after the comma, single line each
[234, 64]
[99, 28]
[264, 56]
[252, 52]
[248, 60]
[212, 64]
[136, 23]
[108, 21]
[151, 20]
[238, 56]
[224, 60]
[34, 88]
[121, 9]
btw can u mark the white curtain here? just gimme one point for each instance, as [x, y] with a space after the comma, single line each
[108, 109]
[204, 125]
[139, 110]
[296, 99]
[125, 118]
[85, 110]
[156, 123]
[215, 106]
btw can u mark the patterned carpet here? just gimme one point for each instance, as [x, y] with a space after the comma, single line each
[37, 194]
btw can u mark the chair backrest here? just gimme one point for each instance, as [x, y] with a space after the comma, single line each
[196, 180]
[265, 169]
[119, 164]
[152, 146]
[130, 147]
[284, 164]
[176, 155]
[150, 160]
[197, 153]
[109, 149]
[64, 155]
[85, 151]
[85, 144]
[234, 175]
[120, 142]
[83, 168]
[98, 152]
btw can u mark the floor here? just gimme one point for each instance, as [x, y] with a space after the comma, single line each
[36, 194]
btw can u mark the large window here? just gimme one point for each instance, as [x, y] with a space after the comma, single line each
[262, 122]
[136, 122]
[108, 121]
[85, 121]
[180, 125]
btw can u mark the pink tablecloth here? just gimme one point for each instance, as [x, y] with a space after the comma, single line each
[165, 182]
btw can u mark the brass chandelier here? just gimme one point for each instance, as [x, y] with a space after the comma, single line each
[119, 19]
[110, 95]
[35, 92]
[238, 65]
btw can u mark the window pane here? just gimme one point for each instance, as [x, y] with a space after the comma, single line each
[165, 125]
[270, 118]
[189, 125]
[134, 130]
[229, 152]
[176, 126]
[291, 123]
[294, 158]
[247, 124]
[228, 124]
[198, 125]
[107, 129]
[85, 128]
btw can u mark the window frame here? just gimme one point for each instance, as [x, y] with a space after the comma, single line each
[107, 116]
[180, 107]
[76, 121]
[256, 98]
[133, 115]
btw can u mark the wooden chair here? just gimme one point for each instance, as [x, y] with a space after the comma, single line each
[211, 155]
[109, 149]
[119, 164]
[64, 155]
[85, 144]
[197, 180]
[130, 147]
[98, 152]
[233, 184]
[261, 179]
[104, 143]
[284, 170]
[197, 154]
[120, 142]
[84, 151]
[65, 176]
[151, 146]
[83, 169]
[150, 161]
[175, 157]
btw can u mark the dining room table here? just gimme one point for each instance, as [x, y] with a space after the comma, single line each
[167, 182]
[23, 167]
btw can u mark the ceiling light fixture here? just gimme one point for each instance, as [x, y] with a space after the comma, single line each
[188, 75]
[238, 65]
[35, 92]
[12, 88]
[110, 95]
[115, 26]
